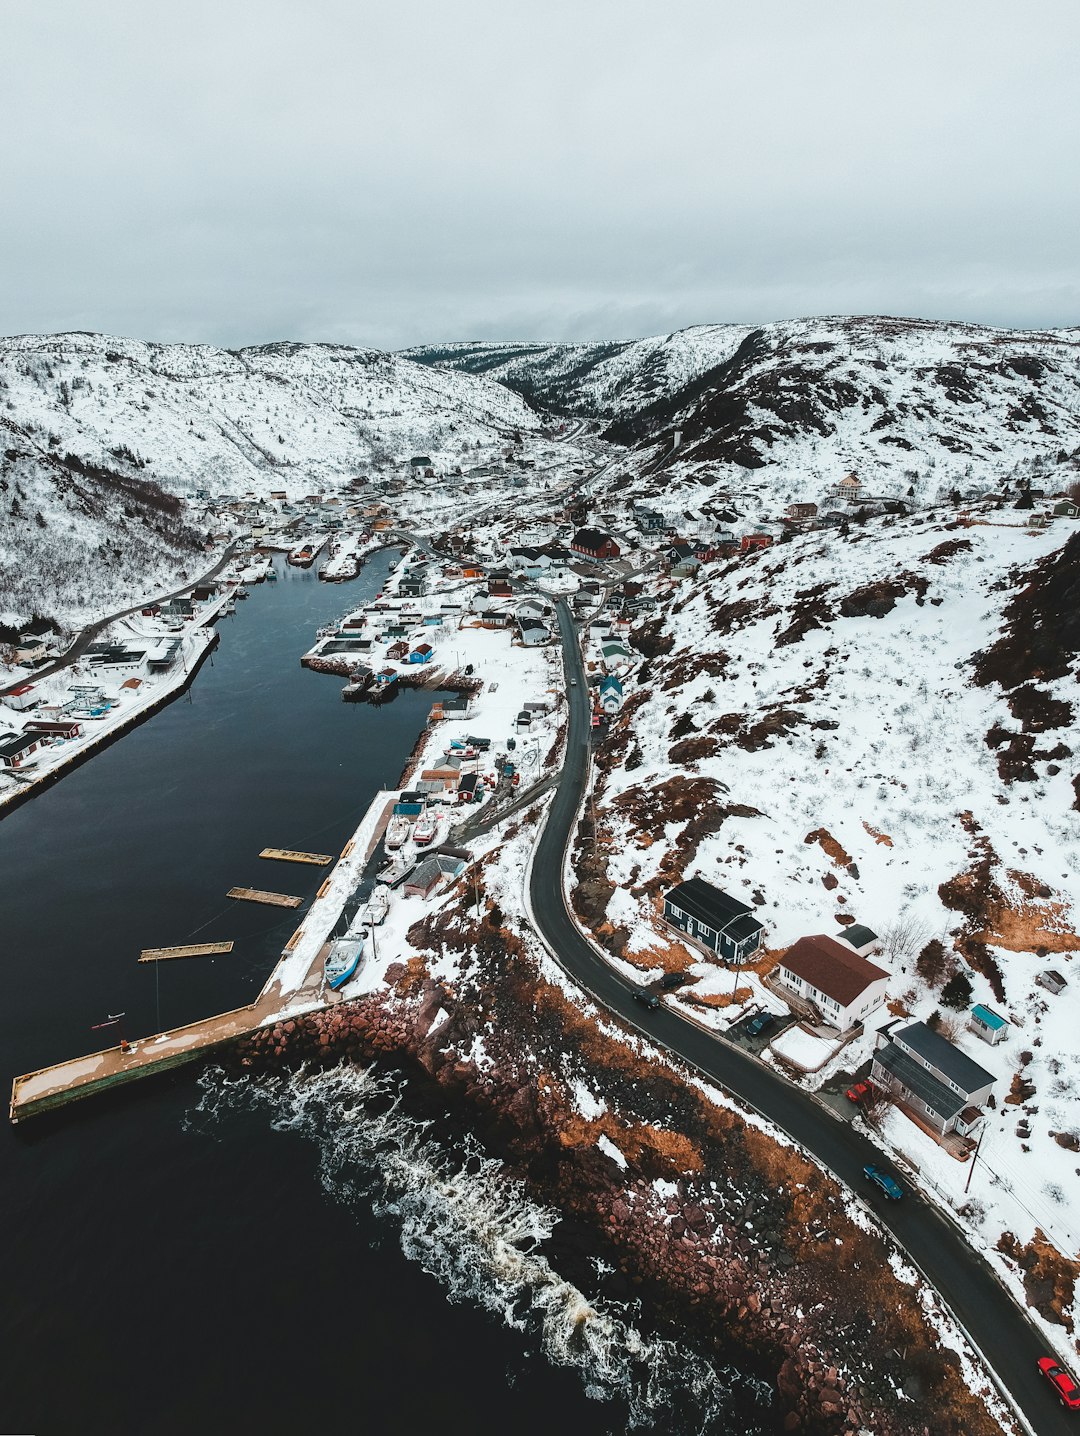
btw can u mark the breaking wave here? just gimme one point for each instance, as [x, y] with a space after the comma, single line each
[464, 1220]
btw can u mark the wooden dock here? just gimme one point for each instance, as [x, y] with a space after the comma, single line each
[256, 895]
[286, 855]
[198, 949]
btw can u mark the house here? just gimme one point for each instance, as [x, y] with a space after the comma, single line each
[616, 656]
[841, 984]
[861, 940]
[802, 511]
[648, 520]
[52, 728]
[941, 1085]
[422, 653]
[848, 489]
[421, 464]
[753, 541]
[610, 695]
[1066, 509]
[723, 925]
[386, 677]
[1038, 520]
[428, 874]
[22, 697]
[988, 1024]
[1052, 981]
[466, 790]
[523, 722]
[594, 544]
[17, 750]
[533, 632]
[398, 652]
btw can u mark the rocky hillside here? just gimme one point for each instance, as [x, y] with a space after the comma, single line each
[104, 440]
[788, 408]
[248, 419]
[878, 728]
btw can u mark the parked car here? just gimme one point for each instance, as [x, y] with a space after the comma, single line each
[861, 1092]
[758, 1024]
[1068, 1393]
[646, 998]
[884, 1181]
[673, 979]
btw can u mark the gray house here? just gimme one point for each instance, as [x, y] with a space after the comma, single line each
[941, 1085]
[709, 917]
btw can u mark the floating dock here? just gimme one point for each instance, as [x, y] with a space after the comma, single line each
[286, 855]
[295, 986]
[271, 899]
[199, 949]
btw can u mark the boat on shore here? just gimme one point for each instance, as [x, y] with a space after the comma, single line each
[397, 830]
[424, 831]
[373, 914]
[343, 959]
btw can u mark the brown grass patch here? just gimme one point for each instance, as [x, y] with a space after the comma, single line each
[829, 846]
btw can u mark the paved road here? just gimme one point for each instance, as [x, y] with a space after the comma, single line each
[87, 636]
[965, 1282]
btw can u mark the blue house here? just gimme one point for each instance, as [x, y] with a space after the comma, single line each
[422, 653]
[709, 917]
[610, 694]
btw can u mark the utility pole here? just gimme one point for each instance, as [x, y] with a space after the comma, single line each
[974, 1158]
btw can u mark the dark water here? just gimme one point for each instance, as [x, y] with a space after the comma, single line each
[189, 1257]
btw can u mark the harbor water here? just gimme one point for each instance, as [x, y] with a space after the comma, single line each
[270, 1255]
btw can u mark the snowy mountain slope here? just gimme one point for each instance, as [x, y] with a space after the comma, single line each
[881, 729]
[276, 416]
[595, 380]
[786, 409]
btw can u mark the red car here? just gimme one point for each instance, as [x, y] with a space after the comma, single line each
[861, 1092]
[1068, 1392]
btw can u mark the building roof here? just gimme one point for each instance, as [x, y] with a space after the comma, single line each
[988, 1017]
[939, 1098]
[957, 1066]
[591, 538]
[708, 904]
[858, 934]
[13, 746]
[833, 968]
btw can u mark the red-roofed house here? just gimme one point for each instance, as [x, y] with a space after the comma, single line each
[842, 985]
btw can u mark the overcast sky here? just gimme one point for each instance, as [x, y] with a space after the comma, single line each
[393, 173]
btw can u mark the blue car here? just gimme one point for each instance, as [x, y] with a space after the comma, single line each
[886, 1183]
[759, 1024]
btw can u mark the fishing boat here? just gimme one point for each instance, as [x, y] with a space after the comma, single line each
[343, 959]
[397, 830]
[424, 831]
[271, 574]
[378, 905]
[240, 592]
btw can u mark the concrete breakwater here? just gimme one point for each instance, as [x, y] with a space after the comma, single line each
[702, 1267]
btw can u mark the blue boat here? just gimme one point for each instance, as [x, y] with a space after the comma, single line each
[343, 959]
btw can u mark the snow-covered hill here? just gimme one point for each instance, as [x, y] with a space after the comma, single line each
[879, 728]
[241, 420]
[101, 435]
[784, 410]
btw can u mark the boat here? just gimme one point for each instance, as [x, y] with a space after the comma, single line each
[271, 574]
[397, 830]
[230, 607]
[378, 905]
[343, 959]
[240, 592]
[424, 830]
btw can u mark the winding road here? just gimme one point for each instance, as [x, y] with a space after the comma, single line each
[965, 1282]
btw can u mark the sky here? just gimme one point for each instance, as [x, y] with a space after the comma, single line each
[420, 171]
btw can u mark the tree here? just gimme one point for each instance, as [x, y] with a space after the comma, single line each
[957, 992]
[932, 962]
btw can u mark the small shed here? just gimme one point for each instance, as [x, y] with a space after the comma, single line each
[988, 1024]
[1051, 980]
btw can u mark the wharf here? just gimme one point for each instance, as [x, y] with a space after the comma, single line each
[271, 899]
[286, 855]
[198, 949]
[294, 987]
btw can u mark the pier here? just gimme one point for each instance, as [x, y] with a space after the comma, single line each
[294, 987]
[286, 855]
[198, 949]
[271, 899]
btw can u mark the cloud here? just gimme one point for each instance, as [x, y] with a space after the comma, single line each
[245, 171]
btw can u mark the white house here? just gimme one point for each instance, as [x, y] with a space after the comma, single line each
[845, 987]
[940, 1084]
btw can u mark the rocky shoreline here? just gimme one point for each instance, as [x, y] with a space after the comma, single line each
[728, 1262]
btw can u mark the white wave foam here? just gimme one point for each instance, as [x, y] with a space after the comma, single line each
[477, 1231]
